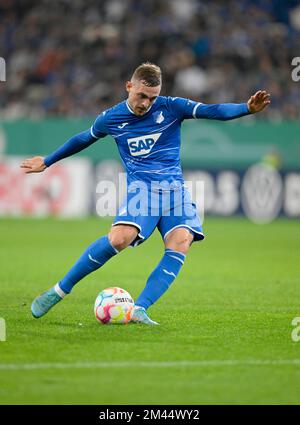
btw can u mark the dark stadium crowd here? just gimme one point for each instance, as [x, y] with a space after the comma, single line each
[71, 57]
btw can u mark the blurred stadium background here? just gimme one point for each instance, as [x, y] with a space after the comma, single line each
[67, 60]
[230, 312]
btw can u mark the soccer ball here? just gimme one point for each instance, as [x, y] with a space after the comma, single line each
[113, 305]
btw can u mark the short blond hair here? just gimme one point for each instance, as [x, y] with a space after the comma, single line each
[149, 73]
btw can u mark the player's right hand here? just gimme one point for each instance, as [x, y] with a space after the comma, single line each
[34, 165]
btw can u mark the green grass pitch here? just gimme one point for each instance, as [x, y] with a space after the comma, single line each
[225, 333]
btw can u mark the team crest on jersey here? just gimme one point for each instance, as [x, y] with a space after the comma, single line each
[143, 144]
[158, 117]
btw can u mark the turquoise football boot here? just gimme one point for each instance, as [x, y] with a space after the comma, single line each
[140, 315]
[42, 304]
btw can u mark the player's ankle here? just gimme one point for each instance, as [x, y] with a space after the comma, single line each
[59, 291]
[139, 307]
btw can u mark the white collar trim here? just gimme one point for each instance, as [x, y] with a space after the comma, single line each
[128, 107]
[130, 110]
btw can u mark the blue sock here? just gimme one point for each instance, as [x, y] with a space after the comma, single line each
[161, 278]
[94, 257]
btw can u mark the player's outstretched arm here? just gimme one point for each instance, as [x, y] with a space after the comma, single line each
[76, 144]
[230, 111]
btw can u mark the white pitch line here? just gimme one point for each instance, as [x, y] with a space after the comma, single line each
[143, 364]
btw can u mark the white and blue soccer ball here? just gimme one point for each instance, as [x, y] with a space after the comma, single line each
[113, 305]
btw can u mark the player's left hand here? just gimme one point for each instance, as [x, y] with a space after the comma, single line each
[258, 101]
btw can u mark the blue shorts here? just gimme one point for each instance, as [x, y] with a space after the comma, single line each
[164, 210]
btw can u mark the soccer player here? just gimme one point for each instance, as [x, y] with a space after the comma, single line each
[146, 128]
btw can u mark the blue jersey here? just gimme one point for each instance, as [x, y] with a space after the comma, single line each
[149, 145]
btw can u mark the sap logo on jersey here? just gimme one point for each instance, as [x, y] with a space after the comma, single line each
[142, 144]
